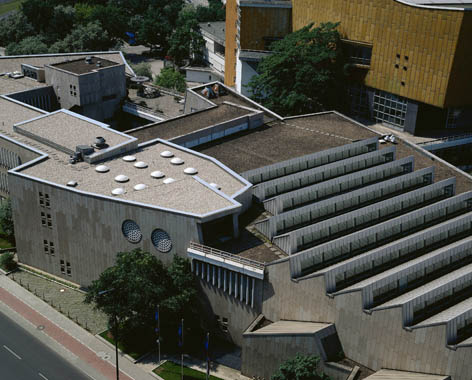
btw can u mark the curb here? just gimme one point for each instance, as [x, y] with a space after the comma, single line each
[156, 375]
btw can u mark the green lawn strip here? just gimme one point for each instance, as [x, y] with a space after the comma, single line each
[172, 371]
[5, 243]
[10, 6]
[134, 348]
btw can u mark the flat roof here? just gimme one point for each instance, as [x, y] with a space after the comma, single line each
[68, 130]
[215, 29]
[81, 66]
[9, 85]
[294, 137]
[186, 194]
[13, 62]
[389, 374]
[182, 125]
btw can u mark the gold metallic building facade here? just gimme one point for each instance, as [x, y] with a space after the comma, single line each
[419, 53]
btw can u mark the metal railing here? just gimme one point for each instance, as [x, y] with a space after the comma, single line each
[446, 139]
[226, 255]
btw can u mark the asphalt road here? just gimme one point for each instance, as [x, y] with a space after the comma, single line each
[23, 357]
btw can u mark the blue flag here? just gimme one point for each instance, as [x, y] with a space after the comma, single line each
[181, 335]
[156, 318]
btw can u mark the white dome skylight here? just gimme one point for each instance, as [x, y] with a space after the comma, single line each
[102, 169]
[176, 161]
[190, 171]
[121, 178]
[140, 165]
[157, 174]
[129, 158]
[139, 186]
[168, 180]
[118, 191]
[167, 154]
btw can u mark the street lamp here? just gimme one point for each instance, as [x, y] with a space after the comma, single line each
[115, 332]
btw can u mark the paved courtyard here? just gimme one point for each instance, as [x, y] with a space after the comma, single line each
[64, 299]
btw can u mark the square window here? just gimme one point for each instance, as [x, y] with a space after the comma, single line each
[398, 55]
[46, 200]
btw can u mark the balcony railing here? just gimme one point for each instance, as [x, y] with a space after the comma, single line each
[225, 255]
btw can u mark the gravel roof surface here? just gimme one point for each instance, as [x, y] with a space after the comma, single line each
[79, 66]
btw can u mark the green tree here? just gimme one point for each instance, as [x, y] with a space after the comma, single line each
[29, 45]
[143, 69]
[130, 291]
[304, 74]
[186, 41]
[302, 367]
[15, 28]
[90, 37]
[170, 78]
[6, 220]
[215, 11]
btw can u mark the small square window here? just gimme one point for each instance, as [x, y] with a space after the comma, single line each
[403, 83]
[406, 58]
[69, 272]
[405, 68]
[70, 86]
[63, 267]
[46, 200]
[397, 65]
[398, 55]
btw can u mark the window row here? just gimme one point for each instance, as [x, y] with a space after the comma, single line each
[44, 200]
[66, 268]
[46, 220]
[49, 248]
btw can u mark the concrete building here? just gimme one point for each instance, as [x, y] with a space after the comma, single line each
[92, 84]
[409, 63]
[307, 234]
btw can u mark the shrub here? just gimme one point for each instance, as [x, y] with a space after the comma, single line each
[143, 69]
[170, 78]
[7, 262]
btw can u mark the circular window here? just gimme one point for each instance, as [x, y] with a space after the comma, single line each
[131, 231]
[161, 240]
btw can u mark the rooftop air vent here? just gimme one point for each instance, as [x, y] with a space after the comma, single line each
[102, 169]
[129, 158]
[139, 186]
[140, 165]
[118, 191]
[215, 185]
[100, 143]
[168, 180]
[157, 174]
[190, 171]
[88, 59]
[85, 150]
[167, 154]
[72, 183]
[176, 161]
[121, 178]
[99, 63]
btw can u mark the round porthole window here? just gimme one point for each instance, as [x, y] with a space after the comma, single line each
[161, 240]
[131, 231]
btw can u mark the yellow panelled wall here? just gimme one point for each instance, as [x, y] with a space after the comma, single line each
[231, 42]
[425, 39]
[260, 22]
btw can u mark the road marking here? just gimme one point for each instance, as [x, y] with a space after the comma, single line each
[41, 375]
[12, 352]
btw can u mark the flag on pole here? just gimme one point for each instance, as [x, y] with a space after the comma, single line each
[207, 349]
[181, 334]
[156, 318]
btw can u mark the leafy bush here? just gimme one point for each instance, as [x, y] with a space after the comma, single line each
[301, 367]
[7, 262]
[6, 220]
[170, 78]
[143, 69]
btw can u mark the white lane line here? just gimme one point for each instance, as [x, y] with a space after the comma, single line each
[41, 375]
[12, 352]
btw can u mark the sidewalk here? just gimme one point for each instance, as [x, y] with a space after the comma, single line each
[89, 349]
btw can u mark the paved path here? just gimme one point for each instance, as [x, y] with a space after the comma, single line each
[93, 353]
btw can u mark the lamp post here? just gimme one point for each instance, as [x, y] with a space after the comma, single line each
[115, 333]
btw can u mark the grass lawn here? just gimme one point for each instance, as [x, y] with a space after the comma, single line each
[9, 6]
[135, 349]
[172, 371]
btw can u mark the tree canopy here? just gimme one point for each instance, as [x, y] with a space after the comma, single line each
[131, 290]
[71, 25]
[304, 74]
[302, 367]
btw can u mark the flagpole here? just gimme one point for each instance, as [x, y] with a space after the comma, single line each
[182, 352]
[158, 335]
